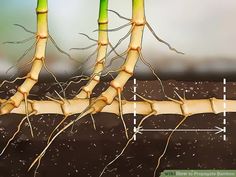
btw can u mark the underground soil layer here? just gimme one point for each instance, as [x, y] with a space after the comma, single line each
[83, 151]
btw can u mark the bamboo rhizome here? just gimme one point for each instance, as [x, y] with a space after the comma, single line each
[147, 108]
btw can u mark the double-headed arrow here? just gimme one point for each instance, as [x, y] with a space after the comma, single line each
[217, 130]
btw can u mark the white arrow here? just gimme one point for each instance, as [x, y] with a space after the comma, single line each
[216, 130]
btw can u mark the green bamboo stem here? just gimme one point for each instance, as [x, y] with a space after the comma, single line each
[103, 42]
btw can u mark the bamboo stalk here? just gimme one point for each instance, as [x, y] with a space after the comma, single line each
[138, 22]
[184, 107]
[101, 53]
[37, 64]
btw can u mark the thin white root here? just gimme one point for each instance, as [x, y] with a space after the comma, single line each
[121, 114]
[54, 77]
[14, 135]
[161, 40]
[20, 42]
[93, 120]
[27, 115]
[153, 72]
[85, 112]
[167, 144]
[12, 82]
[37, 167]
[111, 162]
[58, 125]
[126, 145]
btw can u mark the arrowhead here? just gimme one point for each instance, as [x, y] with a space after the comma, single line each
[138, 130]
[219, 130]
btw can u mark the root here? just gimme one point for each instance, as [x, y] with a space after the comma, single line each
[62, 51]
[93, 121]
[117, 157]
[115, 29]
[111, 60]
[121, 114]
[88, 58]
[153, 72]
[54, 77]
[87, 77]
[13, 81]
[37, 167]
[77, 82]
[24, 28]
[27, 115]
[23, 56]
[114, 50]
[115, 58]
[167, 144]
[84, 48]
[119, 15]
[87, 36]
[14, 135]
[85, 112]
[161, 40]
[152, 31]
[58, 125]
[20, 42]
[122, 39]
[126, 146]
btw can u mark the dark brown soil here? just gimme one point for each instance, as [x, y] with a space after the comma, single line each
[83, 152]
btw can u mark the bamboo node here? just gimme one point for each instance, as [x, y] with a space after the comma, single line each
[138, 22]
[22, 90]
[96, 79]
[138, 48]
[116, 86]
[40, 36]
[105, 99]
[30, 76]
[86, 90]
[12, 102]
[41, 59]
[100, 62]
[64, 108]
[41, 11]
[128, 71]
[184, 108]
[102, 43]
[100, 22]
[35, 107]
[212, 101]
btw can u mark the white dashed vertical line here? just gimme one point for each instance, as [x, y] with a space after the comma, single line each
[225, 108]
[135, 108]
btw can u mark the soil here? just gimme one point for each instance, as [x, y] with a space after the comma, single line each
[83, 151]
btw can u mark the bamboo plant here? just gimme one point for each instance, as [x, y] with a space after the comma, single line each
[82, 103]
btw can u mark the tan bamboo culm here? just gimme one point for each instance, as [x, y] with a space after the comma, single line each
[37, 61]
[103, 42]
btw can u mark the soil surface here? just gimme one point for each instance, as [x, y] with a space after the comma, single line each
[83, 151]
